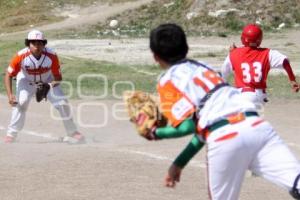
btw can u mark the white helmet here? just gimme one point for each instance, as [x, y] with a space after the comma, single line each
[35, 35]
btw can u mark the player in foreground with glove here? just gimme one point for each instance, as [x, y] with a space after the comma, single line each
[237, 138]
[37, 71]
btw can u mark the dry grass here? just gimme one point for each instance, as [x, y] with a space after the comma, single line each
[16, 15]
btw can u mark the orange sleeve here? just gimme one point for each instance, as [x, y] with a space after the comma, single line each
[14, 66]
[55, 68]
[175, 106]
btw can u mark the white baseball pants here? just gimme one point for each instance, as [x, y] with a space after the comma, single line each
[257, 97]
[24, 93]
[255, 147]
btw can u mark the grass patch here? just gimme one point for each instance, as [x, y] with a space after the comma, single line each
[99, 78]
[16, 15]
[7, 50]
[20, 14]
[278, 87]
[117, 77]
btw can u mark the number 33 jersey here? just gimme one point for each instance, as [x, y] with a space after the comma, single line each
[251, 66]
[190, 87]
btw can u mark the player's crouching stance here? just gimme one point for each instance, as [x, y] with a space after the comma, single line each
[237, 138]
[37, 67]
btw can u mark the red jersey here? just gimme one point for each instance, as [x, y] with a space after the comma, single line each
[251, 66]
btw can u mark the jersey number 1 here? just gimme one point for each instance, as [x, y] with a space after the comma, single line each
[208, 76]
[247, 75]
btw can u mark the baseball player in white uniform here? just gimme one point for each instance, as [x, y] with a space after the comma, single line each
[237, 138]
[34, 64]
[250, 65]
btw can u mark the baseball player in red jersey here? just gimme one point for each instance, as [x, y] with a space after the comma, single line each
[251, 64]
[32, 65]
[196, 99]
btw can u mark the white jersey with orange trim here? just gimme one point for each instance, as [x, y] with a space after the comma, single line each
[192, 82]
[30, 70]
[236, 141]
[25, 65]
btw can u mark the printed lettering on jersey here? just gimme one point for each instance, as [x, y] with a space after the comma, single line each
[25, 62]
[251, 67]
[38, 71]
[252, 72]
[175, 105]
[181, 97]
[181, 107]
[207, 80]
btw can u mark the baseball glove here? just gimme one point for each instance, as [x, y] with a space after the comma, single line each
[42, 91]
[143, 111]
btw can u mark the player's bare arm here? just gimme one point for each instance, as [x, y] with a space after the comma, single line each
[173, 176]
[8, 86]
[56, 81]
[287, 67]
[174, 172]
[295, 86]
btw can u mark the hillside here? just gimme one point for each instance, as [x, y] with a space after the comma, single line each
[213, 17]
[17, 15]
[198, 17]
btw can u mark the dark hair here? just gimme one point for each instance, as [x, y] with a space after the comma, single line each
[27, 42]
[168, 42]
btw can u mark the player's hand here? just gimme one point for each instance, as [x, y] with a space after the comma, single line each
[173, 176]
[295, 86]
[54, 84]
[233, 46]
[12, 100]
[151, 135]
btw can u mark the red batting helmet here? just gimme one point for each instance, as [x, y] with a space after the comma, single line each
[252, 35]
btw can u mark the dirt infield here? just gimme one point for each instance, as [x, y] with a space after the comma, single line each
[115, 163]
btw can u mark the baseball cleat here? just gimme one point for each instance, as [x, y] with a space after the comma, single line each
[9, 139]
[76, 138]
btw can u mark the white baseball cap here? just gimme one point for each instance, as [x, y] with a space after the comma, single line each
[35, 35]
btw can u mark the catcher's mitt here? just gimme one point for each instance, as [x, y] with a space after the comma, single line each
[143, 110]
[42, 91]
